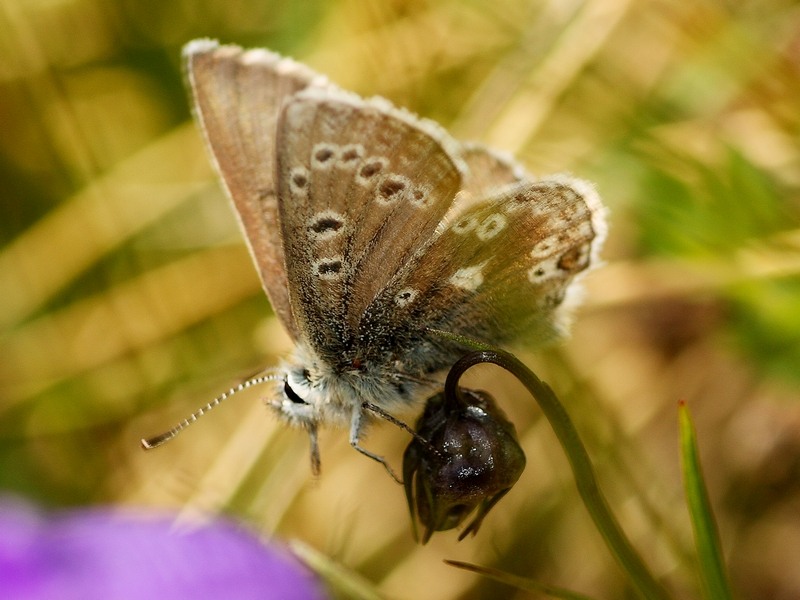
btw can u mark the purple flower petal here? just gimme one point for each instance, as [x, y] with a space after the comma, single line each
[101, 553]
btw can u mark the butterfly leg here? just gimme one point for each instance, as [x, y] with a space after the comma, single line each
[356, 427]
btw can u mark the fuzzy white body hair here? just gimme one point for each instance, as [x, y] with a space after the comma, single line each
[336, 398]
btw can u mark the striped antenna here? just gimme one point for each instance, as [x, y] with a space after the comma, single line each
[158, 440]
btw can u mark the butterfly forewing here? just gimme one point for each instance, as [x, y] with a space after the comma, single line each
[237, 100]
[362, 187]
[501, 269]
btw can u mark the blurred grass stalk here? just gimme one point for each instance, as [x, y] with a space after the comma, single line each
[94, 222]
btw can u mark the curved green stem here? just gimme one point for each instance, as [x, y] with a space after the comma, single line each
[579, 460]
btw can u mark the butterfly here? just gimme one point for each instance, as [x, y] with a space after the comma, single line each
[371, 229]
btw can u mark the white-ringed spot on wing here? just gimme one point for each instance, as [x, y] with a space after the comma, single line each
[299, 180]
[543, 270]
[391, 188]
[542, 249]
[575, 259]
[369, 169]
[325, 225]
[324, 155]
[328, 269]
[350, 156]
[464, 225]
[420, 197]
[468, 278]
[405, 297]
[491, 226]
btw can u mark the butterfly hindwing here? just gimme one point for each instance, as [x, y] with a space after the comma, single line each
[500, 269]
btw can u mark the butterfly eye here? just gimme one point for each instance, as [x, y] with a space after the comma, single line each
[291, 394]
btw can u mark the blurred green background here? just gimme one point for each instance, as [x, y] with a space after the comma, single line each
[127, 298]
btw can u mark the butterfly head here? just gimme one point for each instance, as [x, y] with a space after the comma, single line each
[299, 399]
[294, 400]
[311, 392]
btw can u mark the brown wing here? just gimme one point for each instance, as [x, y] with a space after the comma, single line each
[504, 268]
[362, 186]
[489, 170]
[237, 98]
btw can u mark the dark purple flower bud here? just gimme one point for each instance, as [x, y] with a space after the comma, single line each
[471, 460]
[100, 553]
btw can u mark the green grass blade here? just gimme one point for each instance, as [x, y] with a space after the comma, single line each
[706, 535]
